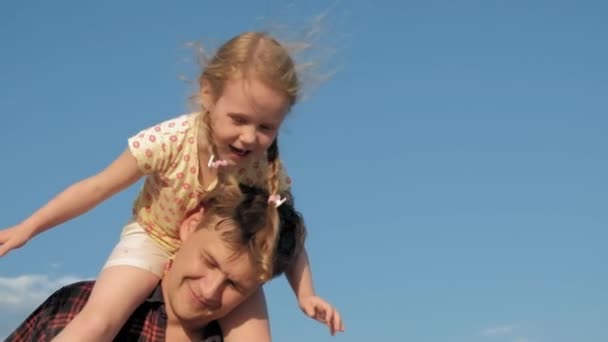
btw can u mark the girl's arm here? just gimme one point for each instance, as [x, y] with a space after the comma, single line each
[83, 196]
[249, 321]
[299, 276]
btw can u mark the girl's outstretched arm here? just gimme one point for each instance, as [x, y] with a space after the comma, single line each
[74, 201]
[299, 276]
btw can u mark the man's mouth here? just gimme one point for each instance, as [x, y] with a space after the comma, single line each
[239, 152]
[204, 303]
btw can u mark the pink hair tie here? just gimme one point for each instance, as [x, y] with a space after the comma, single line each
[276, 200]
[214, 164]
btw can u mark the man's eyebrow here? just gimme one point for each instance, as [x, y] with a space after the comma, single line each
[237, 284]
[211, 258]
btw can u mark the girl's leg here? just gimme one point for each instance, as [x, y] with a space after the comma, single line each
[133, 269]
[118, 291]
[248, 321]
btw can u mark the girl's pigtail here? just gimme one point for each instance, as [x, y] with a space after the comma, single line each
[206, 117]
[270, 234]
[272, 155]
[222, 177]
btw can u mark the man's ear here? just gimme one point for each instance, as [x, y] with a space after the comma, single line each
[191, 224]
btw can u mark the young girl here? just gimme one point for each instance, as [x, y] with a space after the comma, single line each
[246, 90]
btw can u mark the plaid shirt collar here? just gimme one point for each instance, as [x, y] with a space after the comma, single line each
[146, 324]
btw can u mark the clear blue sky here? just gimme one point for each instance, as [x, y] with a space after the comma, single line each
[452, 172]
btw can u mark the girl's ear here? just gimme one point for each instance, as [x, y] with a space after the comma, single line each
[191, 224]
[207, 96]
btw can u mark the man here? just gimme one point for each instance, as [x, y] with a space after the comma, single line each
[216, 269]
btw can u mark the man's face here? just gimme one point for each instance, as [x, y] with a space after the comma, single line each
[207, 279]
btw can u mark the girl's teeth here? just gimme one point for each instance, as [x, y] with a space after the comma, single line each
[238, 151]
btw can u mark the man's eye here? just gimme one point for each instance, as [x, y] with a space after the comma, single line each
[267, 128]
[208, 262]
[234, 285]
[238, 120]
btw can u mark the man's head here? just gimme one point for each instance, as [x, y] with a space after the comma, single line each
[222, 259]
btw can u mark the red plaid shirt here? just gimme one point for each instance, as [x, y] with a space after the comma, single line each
[146, 324]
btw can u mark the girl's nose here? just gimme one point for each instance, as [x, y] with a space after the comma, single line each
[248, 137]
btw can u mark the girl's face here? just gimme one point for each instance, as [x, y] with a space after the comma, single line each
[246, 118]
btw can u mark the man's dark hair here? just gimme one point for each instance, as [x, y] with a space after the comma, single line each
[292, 231]
[274, 236]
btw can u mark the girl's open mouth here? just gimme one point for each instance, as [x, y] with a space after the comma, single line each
[239, 152]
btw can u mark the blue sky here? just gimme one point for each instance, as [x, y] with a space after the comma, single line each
[452, 172]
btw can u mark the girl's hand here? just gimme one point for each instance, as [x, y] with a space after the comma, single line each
[317, 308]
[12, 238]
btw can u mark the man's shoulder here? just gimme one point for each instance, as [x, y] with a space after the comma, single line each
[54, 313]
[78, 289]
[70, 298]
[85, 285]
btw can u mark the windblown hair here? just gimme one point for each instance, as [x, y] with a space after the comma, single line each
[246, 208]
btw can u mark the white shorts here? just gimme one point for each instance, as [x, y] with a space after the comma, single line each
[136, 248]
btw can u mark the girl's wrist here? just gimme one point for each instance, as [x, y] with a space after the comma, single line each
[28, 228]
[306, 294]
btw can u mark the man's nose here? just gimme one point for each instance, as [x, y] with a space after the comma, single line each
[212, 287]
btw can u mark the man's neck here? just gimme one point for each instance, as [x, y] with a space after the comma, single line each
[176, 330]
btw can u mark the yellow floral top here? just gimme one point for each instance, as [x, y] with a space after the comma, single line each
[167, 154]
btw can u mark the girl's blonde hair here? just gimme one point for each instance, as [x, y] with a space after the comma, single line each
[259, 56]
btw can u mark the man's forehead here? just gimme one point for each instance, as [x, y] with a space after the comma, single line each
[235, 262]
